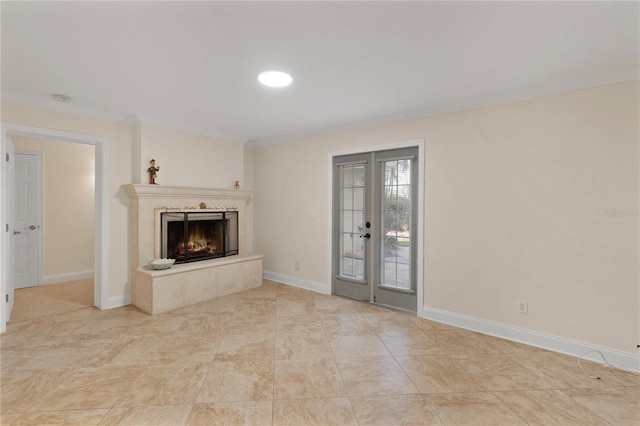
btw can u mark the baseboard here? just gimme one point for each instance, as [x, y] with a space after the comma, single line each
[296, 282]
[562, 345]
[62, 278]
[118, 301]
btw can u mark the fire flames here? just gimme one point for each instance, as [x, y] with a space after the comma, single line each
[199, 244]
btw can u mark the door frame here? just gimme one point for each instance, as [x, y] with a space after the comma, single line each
[101, 240]
[421, 192]
[40, 192]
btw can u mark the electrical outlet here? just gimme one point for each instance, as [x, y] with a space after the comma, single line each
[296, 266]
[523, 307]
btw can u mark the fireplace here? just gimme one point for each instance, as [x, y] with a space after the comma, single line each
[159, 291]
[191, 236]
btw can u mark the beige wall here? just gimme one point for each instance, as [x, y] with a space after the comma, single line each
[190, 160]
[518, 205]
[68, 204]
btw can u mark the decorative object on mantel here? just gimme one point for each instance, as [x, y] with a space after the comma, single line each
[236, 185]
[203, 205]
[153, 172]
[159, 264]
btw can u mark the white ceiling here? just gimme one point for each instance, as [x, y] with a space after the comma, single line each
[194, 65]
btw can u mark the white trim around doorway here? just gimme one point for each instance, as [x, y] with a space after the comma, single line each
[101, 249]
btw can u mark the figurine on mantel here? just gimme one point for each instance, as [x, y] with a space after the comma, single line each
[153, 172]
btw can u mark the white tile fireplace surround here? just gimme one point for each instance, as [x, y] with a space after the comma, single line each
[156, 292]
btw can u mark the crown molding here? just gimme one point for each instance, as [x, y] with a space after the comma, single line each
[46, 103]
[454, 106]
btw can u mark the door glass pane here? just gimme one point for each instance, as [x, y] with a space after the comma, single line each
[352, 250]
[395, 270]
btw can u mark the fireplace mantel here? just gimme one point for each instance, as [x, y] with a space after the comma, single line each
[172, 192]
[144, 240]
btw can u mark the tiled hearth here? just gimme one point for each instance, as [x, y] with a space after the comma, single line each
[156, 292]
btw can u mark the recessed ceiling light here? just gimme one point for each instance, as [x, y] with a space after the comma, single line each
[61, 98]
[275, 79]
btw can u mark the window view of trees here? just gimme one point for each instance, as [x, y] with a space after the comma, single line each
[395, 222]
[396, 218]
[352, 181]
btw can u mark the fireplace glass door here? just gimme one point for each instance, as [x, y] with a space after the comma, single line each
[194, 236]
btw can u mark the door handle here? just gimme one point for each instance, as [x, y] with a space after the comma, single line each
[16, 232]
[367, 235]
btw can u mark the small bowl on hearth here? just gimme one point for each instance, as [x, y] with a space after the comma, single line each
[158, 264]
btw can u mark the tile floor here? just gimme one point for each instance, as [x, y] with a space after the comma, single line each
[281, 355]
[52, 299]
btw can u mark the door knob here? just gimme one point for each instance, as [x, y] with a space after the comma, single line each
[32, 227]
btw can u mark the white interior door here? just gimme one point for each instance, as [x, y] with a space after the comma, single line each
[27, 214]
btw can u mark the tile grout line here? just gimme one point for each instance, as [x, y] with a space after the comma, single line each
[335, 360]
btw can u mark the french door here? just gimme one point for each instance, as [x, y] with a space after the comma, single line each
[375, 227]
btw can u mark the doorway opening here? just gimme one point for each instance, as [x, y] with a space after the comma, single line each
[54, 212]
[100, 244]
